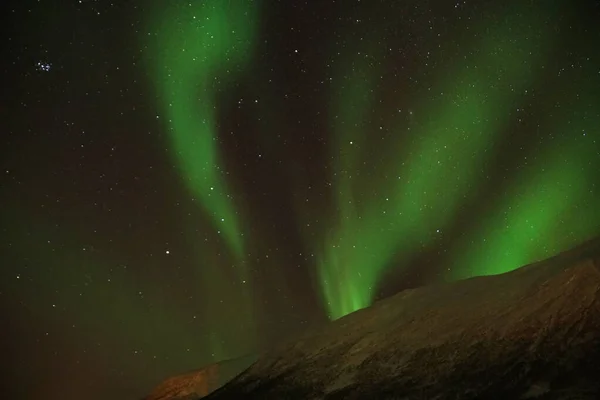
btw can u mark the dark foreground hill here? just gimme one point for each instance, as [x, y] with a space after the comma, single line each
[200, 382]
[533, 333]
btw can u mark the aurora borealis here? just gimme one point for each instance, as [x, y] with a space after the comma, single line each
[185, 182]
[423, 193]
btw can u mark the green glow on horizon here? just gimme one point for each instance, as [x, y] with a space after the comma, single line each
[71, 292]
[421, 194]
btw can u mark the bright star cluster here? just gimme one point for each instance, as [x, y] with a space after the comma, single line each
[186, 182]
[44, 67]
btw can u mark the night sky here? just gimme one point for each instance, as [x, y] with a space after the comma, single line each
[184, 182]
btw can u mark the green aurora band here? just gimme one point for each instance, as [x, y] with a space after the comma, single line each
[527, 225]
[200, 48]
[408, 208]
[198, 51]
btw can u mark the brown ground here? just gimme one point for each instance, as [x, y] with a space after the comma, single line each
[201, 382]
[531, 333]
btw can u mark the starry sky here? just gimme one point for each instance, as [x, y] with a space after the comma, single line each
[184, 182]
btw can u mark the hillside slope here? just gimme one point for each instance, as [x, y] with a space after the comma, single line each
[200, 382]
[530, 333]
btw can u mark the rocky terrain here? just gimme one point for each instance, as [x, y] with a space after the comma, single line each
[201, 382]
[533, 333]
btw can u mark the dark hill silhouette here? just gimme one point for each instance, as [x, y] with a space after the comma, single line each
[533, 333]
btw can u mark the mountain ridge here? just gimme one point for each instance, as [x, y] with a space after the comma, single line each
[528, 332]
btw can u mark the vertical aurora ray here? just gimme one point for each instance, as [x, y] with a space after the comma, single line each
[198, 51]
[339, 281]
[420, 194]
[200, 48]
